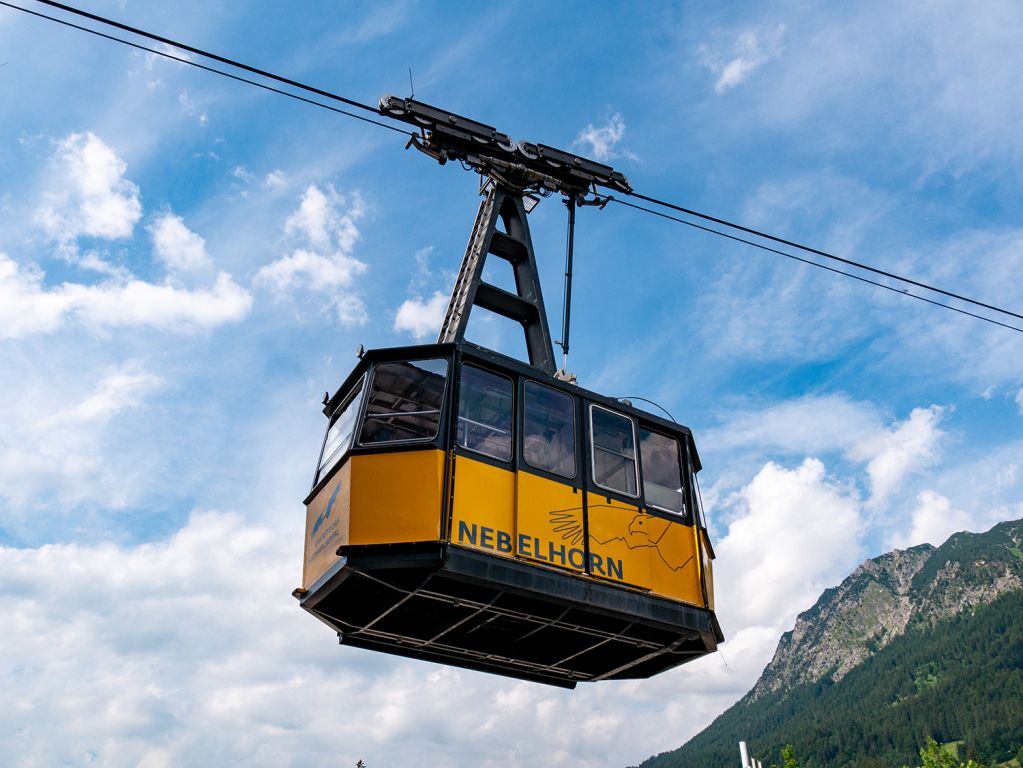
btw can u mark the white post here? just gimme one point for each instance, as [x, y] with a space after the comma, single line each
[744, 754]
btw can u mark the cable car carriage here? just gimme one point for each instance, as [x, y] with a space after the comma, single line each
[484, 512]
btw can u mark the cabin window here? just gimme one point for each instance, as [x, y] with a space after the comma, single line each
[485, 413]
[404, 402]
[342, 426]
[548, 431]
[613, 438]
[662, 471]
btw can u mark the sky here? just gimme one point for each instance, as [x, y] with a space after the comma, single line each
[187, 263]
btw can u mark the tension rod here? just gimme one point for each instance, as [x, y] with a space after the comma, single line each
[573, 201]
[570, 202]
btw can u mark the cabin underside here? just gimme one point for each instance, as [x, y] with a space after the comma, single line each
[454, 606]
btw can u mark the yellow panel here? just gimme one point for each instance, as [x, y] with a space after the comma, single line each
[484, 507]
[630, 546]
[530, 517]
[326, 524]
[708, 568]
[396, 497]
[550, 522]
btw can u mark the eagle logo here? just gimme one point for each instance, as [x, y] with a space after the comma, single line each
[643, 530]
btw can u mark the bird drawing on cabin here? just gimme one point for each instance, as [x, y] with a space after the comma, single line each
[643, 530]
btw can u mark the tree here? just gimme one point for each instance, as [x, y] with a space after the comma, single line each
[788, 758]
[934, 756]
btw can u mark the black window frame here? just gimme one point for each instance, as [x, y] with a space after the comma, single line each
[357, 391]
[683, 465]
[440, 410]
[636, 497]
[456, 411]
[577, 455]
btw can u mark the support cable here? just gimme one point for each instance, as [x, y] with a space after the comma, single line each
[197, 65]
[825, 254]
[207, 54]
[663, 203]
[761, 246]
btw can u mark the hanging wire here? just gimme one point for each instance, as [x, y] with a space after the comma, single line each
[761, 246]
[655, 201]
[197, 65]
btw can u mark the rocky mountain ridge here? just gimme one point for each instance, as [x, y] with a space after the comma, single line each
[886, 594]
[927, 640]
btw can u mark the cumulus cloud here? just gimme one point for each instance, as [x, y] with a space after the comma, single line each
[133, 655]
[751, 50]
[53, 443]
[181, 249]
[320, 220]
[599, 142]
[421, 317]
[326, 266]
[892, 454]
[933, 520]
[28, 306]
[91, 197]
[797, 532]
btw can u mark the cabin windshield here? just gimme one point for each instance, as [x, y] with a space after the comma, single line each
[404, 403]
[339, 434]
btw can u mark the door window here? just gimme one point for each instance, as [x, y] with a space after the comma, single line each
[485, 413]
[613, 438]
[548, 432]
[662, 471]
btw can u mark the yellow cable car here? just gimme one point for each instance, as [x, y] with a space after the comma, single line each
[484, 512]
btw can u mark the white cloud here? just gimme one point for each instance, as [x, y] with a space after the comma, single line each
[53, 443]
[421, 317]
[177, 246]
[121, 389]
[751, 50]
[121, 655]
[91, 196]
[933, 521]
[28, 307]
[319, 219]
[190, 108]
[797, 532]
[1019, 400]
[812, 424]
[908, 447]
[599, 142]
[312, 270]
[326, 266]
[276, 179]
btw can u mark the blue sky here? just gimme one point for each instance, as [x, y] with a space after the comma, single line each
[188, 263]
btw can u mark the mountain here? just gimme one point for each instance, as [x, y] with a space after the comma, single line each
[920, 642]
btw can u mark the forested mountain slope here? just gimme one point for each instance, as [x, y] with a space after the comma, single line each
[915, 643]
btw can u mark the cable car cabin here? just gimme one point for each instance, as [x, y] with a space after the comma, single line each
[469, 509]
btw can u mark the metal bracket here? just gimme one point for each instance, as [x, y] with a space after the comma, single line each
[446, 136]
